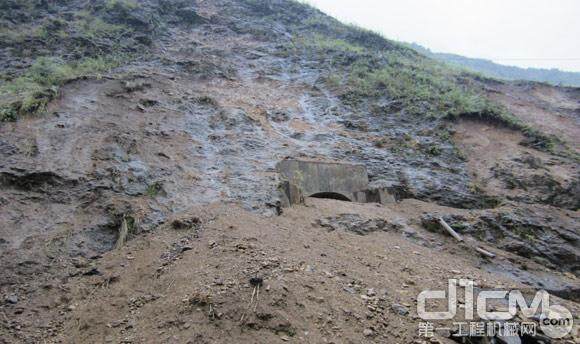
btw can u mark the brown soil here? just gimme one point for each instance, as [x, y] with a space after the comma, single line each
[319, 286]
[550, 109]
[189, 159]
[487, 146]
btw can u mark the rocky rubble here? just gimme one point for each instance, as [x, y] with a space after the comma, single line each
[354, 223]
[525, 231]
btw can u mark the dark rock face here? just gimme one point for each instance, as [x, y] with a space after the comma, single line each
[533, 236]
[205, 113]
[538, 186]
[569, 293]
[232, 145]
[527, 232]
[406, 151]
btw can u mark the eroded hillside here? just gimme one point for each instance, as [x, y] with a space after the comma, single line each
[169, 117]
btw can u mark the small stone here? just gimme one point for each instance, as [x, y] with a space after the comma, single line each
[318, 299]
[285, 338]
[185, 249]
[400, 309]
[368, 332]
[80, 263]
[349, 290]
[115, 323]
[93, 272]
[371, 292]
[11, 299]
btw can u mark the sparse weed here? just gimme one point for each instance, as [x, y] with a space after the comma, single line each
[121, 5]
[423, 87]
[333, 80]
[94, 27]
[31, 93]
[154, 189]
[324, 43]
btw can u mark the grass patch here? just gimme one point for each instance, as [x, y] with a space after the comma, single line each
[95, 27]
[48, 30]
[324, 43]
[154, 189]
[31, 92]
[80, 40]
[13, 35]
[103, 19]
[422, 86]
[121, 5]
[419, 85]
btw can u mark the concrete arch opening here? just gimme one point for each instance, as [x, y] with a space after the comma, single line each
[331, 195]
[334, 180]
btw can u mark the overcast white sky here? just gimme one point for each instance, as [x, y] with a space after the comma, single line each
[526, 33]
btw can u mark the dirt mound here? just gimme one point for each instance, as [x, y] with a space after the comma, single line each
[201, 285]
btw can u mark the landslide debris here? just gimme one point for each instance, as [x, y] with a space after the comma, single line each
[123, 115]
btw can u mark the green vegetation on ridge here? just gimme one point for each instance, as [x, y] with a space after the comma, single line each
[31, 92]
[413, 83]
[362, 64]
[61, 46]
[47, 43]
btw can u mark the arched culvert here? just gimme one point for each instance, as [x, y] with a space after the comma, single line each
[331, 195]
[334, 180]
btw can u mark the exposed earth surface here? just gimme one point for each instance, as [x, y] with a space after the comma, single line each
[178, 147]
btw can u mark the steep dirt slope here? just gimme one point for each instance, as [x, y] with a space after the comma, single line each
[553, 109]
[192, 130]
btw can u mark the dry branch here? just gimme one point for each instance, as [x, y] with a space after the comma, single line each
[485, 252]
[450, 230]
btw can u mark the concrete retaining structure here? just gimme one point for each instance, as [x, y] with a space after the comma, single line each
[342, 181]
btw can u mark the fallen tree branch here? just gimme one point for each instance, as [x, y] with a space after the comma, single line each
[485, 252]
[450, 230]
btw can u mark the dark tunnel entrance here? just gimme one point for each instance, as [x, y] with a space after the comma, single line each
[331, 195]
